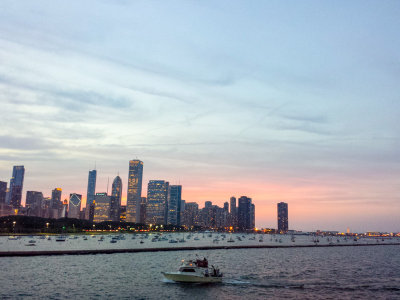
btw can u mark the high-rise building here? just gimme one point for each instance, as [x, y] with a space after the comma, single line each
[191, 214]
[143, 207]
[102, 207]
[244, 213]
[74, 206]
[64, 209]
[16, 185]
[56, 198]
[283, 219]
[181, 215]
[116, 194]
[33, 203]
[91, 192]
[134, 195]
[3, 192]
[174, 205]
[253, 216]
[157, 202]
[54, 209]
[233, 212]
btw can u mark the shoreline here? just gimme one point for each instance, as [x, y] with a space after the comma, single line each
[132, 250]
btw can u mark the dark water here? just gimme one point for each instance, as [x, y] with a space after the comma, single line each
[302, 273]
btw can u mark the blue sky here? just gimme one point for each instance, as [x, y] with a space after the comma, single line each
[280, 101]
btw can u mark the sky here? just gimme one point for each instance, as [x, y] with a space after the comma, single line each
[294, 101]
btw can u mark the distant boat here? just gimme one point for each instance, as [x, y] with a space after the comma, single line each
[172, 241]
[231, 240]
[61, 238]
[141, 242]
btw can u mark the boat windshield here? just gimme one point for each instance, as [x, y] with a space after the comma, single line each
[188, 270]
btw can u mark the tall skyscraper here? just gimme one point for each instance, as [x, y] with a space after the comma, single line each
[134, 195]
[56, 198]
[244, 213]
[74, 206]
[157, 202]
[3, 192]
[91, 192]
[33, 203]
[16, 185]
[116, 194]
[102, 207]
[174, 205]
[283, 217]
[233, 212]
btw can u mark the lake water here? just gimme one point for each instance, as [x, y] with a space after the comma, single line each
[302, 273]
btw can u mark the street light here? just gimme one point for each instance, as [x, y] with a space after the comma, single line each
[14, 223]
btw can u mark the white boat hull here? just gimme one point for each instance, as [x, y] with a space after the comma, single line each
[180, 277]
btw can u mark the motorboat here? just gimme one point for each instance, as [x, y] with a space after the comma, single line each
[195, 271]
[61, 238]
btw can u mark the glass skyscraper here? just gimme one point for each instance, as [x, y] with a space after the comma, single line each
[157, 202]
[134, 195]
[91, 192]
[74, 207]
[174, 205]
[116, 194]
[283, 218]
[16, 185]
[244, 213]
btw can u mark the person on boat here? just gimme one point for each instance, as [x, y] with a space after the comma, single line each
[205, 263]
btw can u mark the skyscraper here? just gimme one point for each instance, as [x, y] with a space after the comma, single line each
[91, 192]
[74, 206]
[174, 205]
[233, 215]
[116, 194]
[33, 203]
[16, 185]
[102, 205]
[244, 213]
[55, 202]
[3, 192]
[157, 202]
[283, 219]
[134, 195]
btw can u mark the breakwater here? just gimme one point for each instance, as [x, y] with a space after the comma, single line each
[135, 250]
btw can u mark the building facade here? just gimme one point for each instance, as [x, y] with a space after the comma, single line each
[244, 213]
[33, 203]
[3, 192]
[91, 192]
[16, 185]
[174, 205]
[283, 217]
[74, 205]
[116, 194]
[134, 194]
[102, 207]
[157, 202]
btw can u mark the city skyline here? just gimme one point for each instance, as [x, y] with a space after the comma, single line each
[282, 102]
